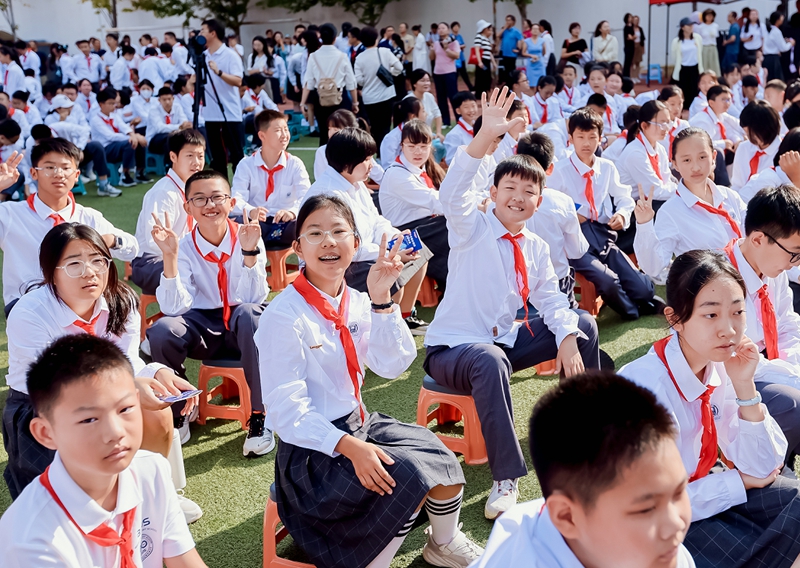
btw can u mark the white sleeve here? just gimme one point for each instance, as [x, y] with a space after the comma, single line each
[240, 190]
[252, 287]
[715, 493]
[622, 195]
[741, 171]
[575, 244]
[459, 208]
[654, 248]
[175, 295]
[175, 538]
[391, 348]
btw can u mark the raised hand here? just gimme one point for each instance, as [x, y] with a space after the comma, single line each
[741, 368]
[249, 234]
[163, 235]
[644, 206]
[495, 109]
[790, 165]
[258, 214]
[385, 272]
[9, 174]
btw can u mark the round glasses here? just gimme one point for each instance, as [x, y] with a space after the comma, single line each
[202, 200]
[77, 268]
[316, 236]
[50, 171]
[661, 125]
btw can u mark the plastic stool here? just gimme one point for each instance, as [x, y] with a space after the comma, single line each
[80, 188]
[453, 406]
[589, 301]
[273, 535]
[144, 301]
[278, 276]
[154, 163]
[113, 173]
[546, 368]
[429, 296]
[233, 382]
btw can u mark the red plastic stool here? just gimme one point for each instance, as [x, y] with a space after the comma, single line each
[453, 406]
[429, 296]
[546, 368]
[589, 301]
[273, 535]
[278, 276]
[144, 301]
[233, 383]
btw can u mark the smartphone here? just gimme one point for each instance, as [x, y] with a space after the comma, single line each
[183, 396]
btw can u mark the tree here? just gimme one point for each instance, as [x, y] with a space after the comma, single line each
[522, 6]
[108, 8]
[368, 12]
[232, 13]
[8, 13]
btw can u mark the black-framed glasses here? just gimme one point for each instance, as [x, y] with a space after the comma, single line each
[795, 256]
[202, 200]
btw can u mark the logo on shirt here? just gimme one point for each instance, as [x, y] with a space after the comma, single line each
[146, 547]
[353, 328]
[715, 411]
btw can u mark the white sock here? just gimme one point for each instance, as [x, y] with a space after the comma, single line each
[444, 517]
[175, 459]
[387, 554]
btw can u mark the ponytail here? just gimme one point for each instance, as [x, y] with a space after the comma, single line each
[638, 115]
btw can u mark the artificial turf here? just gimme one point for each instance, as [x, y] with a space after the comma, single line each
[232, 490]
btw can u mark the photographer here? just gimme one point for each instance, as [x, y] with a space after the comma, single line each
[223, 108]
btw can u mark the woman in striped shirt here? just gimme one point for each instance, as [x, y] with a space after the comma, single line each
[483, 71]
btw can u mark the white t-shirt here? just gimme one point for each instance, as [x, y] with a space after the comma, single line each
[228, 61]
[688, 53]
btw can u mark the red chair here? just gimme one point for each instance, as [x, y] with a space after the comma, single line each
[233, 383]
[274, 535]
[278, 276]
[589, 301]
[429, 296]
[144, 301]
[546, 369]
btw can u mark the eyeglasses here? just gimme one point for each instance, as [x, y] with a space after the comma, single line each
[316, 236]
[202, 200]
[795, 256]
[661, 125]
[77, 268]
[50, 171]
[417, 147]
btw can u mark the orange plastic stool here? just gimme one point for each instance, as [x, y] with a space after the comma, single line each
[589, 301]
[453, 406]
[144, 301]
[429, 296]
[273, 535]
[546, 368]
[233, 383]
[128, 272]
[278, 276]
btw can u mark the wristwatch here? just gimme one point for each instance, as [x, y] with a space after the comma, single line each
[117, 243]
[750, 402]
[219, 72]
[255, 252]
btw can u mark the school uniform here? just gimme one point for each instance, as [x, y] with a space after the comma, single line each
[113, 134]
[768, 177]
[187, 102]
[313, 401]
[88, 67]
[203, 318]
[474, 343]
[526, 536]
[623, 287]
[750, 159]
[183, 63]
[546, 110]
[141, 108]
[686, 223]
[166, 196]
[120, 74]
[460, 135]
[699, 104]
[93, 151]
[32, 114]
[34, 88]
[13, 78]
[31, 60]
[675, 126]
[260, 101]
[88, 104]
[36, 530]
[720, 128]
[281, 188]
[730, 526]
[150, 68]
[624, 101]
[557, 132]
[390, 146]
[38, 319]
[321, 163]
[160, 125]
[19, 117]
[569, 98]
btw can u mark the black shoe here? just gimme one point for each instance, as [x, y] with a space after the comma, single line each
[178, 421]
[314, 134]
[142, 178]
[416, 325]
[126, 181]
[653, 307]
[606, 362]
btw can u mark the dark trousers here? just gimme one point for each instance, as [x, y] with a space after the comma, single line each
[687, 81]
[201, 334]
[567, 286]
[462, 72]
[625, 238]
[322, 114]
[484, 370]
[158, 144]
[380, 120]
[225, 140]
[122, 151]
[507, 65]
[96, 154]
[446, 88]
[783, 403]
[483, 80]
[720, 169]
[9, 306]
[27, 458]
[146, 272]
[616, 279]
[276, 236]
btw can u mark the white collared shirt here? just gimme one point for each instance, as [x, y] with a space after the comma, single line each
[553, 106]
[404, 195]
[635, 168]
[370, 224]
[675, 126]
[390, 146]
[304, 374]
[556, 222]
[365, 71]
[33, 115]
[183, 64]
[141, 108]
[250, 185]
[323, 62]
[39, 318]
[34, 87]
[506, 148]
[13, 78]
[195, 286]
[104, 133]
[22, 231]
[526, 536]
[481, 264]
[699, 103]
[88, 104]
[260, 101]
[228, 61]
[157, 121]
[150, 68]
[567, 177]
[90, 67]
[569, 97]
[31, 60]
[741, 161]
[166, 196]
[35, 531]
[774, 42]
[757, 448]
[460, 135]
[20, 118]
[682, 226]
[78, 134]
[187, 102]
[755, 33]
[710, 122]
[768, 177]
[120, 74]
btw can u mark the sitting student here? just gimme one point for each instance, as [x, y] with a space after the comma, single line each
[314, 401]
[120, 76]
[620, 501]
[340, 119]
[269, 186]
[569, 95]
[706, 80]
[750, 88]
[556, 219]
[49, 91]
[508, 146]
[78, 114]
[762, 126]
[165, 118]
[592, 182]
[119, 140]
[703, 373]
[625, 99]
[407, 109]
[212, 292]
[11, 143]
[254, 100]
[187, 149]
[86, 99]
[598, 104]
[19, 102]
[785, 168]
[613, 88]
[33, 86]
[774, 92]
[18, 116]
[519, 85]
[724, 129]
[672, 97]
[614, 149]
[494, 257]
[597, 86]
[88, 412]
[546, 105]
[141, 104]
[466, 105]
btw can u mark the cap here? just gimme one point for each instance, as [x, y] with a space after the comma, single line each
[687, 22]
[61, 101]
[482, 25]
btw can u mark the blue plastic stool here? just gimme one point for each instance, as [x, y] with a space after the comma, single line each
[154, 163]
[113, 173]
[79, 188]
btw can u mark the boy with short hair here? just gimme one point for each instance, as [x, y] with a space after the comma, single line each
[13, 114]
[593, 499]
[592, 182]
[254, 100]
[120, 142]
[100, 482]
[165, 118]
[724, 129]
[466, 105]
[120, 75]
[598, 104]
[270, 185]
[11, 142]
[774, 93]
[88, 65]
[77, 115]
[569, 95]
[19, 102]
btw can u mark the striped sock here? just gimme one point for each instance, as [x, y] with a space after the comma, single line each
[384, 559]
[443, 516]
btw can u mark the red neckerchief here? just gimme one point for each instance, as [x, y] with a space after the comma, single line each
[543, 116]
[521, 271]
[110, 122]
[271, 176]
[721, 212]
[653, 159]
[87, 327]
[719, 124]
[569, 91]
[609, 115]
[222, 273]
[588, 191]
[189, 218]
[469, 131]
[11, 111]
[57, 219]
[424, 175]
[754, 163]
[253, 96]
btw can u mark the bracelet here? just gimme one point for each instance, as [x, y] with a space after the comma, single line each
[255, 252]
[751, 402]
[382, 306]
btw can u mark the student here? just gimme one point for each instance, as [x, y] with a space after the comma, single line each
[714, 119]
[11, 145]
[774, 92]
[620, 501]
[706, 80]
[597, 81]
[118, 139]
[466, 105]
[762, 126]
[705, 369]
[556, 219]
[598, 104]
[18, 117]
[77, 115]
[120, 76]
[546, 105]
[340, 119]
[254, 100]
[569, 95]
[19, 102]
[187, 150]
[88, 65]
[494, 257]
[151, 69]
[592, 182]
[212, 293]
[269, 186]
[373, 474]
[407, 109]
[508, 146]
[88, 411]
[33, 86]
[672, 97]
[785, 168]
[165, 118]
[87, 100]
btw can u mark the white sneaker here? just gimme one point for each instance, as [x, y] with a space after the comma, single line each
[458, 553]
[182, 425]
[191, 510]
[91, 176]
[85, 179]
[260, 440]
[109, 191]
[503, 496]
[145, 347]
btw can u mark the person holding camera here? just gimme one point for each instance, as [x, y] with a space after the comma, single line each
[223, 107]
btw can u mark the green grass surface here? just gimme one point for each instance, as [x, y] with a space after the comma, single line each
[232, 490]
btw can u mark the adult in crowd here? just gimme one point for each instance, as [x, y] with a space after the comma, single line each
[223, 107]
[574, 48]
[461, 62]
[638, 49]
[549, 47]
[485, 60]
[628, 43]
[510, 47]
[732, 42]
[397, 49]
[709, 30]
[752, 37]
[605, 46]
[444, 54]
[774, 45]
[408, 48]
[533, 49]
[687, 55]
[420, 58]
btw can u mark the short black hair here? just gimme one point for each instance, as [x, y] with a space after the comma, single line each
[324, 201]
[348, 148]
[791, 116]
[10, 128]
[56, 146]
[749, 81]
[369, 36]
[215, 26]
[165, 48]
[762, 121]
[204, 175]
[327, 34]
[790, 142]
[523, 167]
[127, 50]
[66, 86]
[545, 80]
[588, 429]
[40, 132]
[255, 80]
[538, 146]
[21, 96]
[717, 90]
[146, 83]
[775, 211]
[107, 94]
[586, 120]
[598, 100]
[267, 117]
[150, 51]
[460, 98]
[627, 85]
[164, 91]
[67, 360]
[186, 137]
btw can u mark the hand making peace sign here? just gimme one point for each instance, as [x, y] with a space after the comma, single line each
[385, 272]
[163, 235]
[249, 234]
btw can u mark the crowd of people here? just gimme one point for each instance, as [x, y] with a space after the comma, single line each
[562, 171]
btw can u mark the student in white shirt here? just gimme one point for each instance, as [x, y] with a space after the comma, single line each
[314, 398]
[180, 55]
[13, 77]
[139, 106]
[33, 86]
[19, 102]
[77, 115]
[762, 125]
[86, 99]
[16, 115]
[151, 69]
[87, 65]
[212, 292]
[546, 105]
[120, 73]
[165, 118]
[495, 257]
[621, 501]
[99, 480]
[508, 145]
[11, 144]
[340, 119]
[29, 59]
[113, 52]
[706, 80]
[672, 97]
[569, 96]
[466, 105]
[785, 168]
[409, 108]
[597, 81]
[168, 68]
[724, 129]
[703, 373]
[254, 100]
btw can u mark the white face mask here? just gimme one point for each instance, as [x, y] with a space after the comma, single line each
[146, 94]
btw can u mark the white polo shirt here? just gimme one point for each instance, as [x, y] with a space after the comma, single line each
[228, 61]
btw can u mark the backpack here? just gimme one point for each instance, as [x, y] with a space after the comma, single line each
[327, 91]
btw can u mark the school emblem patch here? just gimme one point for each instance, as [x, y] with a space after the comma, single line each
[146, 547]
[715, 411]
[353, 327]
